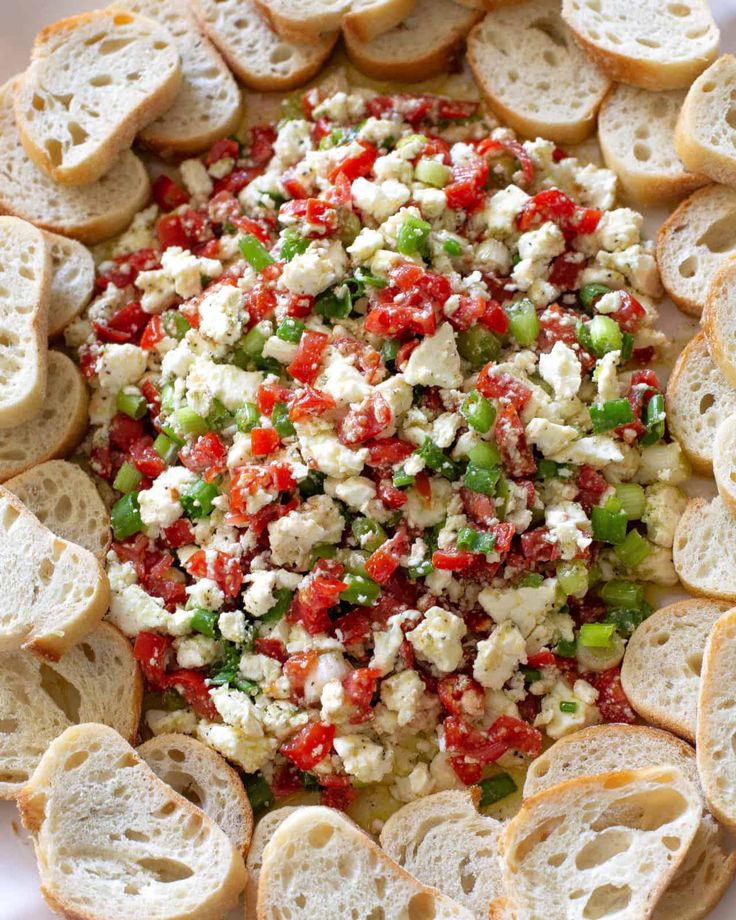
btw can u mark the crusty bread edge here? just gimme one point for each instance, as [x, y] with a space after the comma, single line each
[363, 25]
[699, 464]
[724, 278]
[297, 29]
[727, 489]
[693, 506]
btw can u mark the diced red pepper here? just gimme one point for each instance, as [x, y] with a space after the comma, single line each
[150, 650]
[360, 686]
[319, 218]
[497, 384]
[453, 560]
[124, 326]
[306, 364]
[382, 564]
[365, 421]
[179, 533]
[517, 735]
[612, 701]
[511, 440]
[357, 166]
[222, 568]
[262, 139]
[235, 181]
[145, 458]
[310, 745]
[263, 441]
[630, 312]
[223, 149]
[125, 430]
[286, 781]
[466, 188]
[539, 545]
[194, 688]
[297, 669]
[310, 402]
[272, 648]
[565, 271]
[388, 451]
[168, 194]
[461, 695]
[153, 333]
[207, 455]
[591, 487]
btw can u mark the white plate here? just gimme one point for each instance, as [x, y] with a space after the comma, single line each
[19, 894]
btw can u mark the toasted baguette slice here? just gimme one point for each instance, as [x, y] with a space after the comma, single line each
[425, 44]
[208, 104]
[58, 427]
[113, 840]
[706, 134]
[698, 397]
[694, 242]
[25, 286]
[532, 73]
[367, 19]
[648, 44]
[72, 280]
[90, 214]
[660, 673]
[254, 52]
[719, 322]
[264, 831]
[303, 21]
[600, 845]
[64, 499]
[724, 462]
[96, 680]
[93, 82]
[705, 874]
[636, 131]
[443, 841]
[704, 551]
[55, 592]
[206, 780]
[319, 864]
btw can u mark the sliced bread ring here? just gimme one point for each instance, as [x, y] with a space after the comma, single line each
[98, 679]
[660, 673]
[704, 551]
[75, 121]
[649, 44]
[303, 21]
[206, 780]
[698, 397]
[724, 462]
[367, 19]
[72, 280]
[264, 831]
[425, 44]
[694, 242]
[533, 75]
[719, 319]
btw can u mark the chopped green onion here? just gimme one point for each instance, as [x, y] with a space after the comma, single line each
[413, 236]
[608, 526]
[292, 245]
[204, 622]
[389, 350]
[547, 469]
[566, 649]
[368, 279]
[165, 448]
[258, 792]
[334, 303]
[321, 551]
[369, 533]
[175, 324]
[431, 172]
[197, 499]
[401, 478]
[290, 329]
[132, 402]
[596, 635]
[531, 675]
[168, 398]
[246, 686]
[361, 590]
[485, 455]
[437, 461]
[247, 417]
[452, 247]
[278, 611]
[627, 346]
[424, 568]
[618, 593]
[627, 620]
[190, 422]
[280, 421]
[633, 499]
[572, 577]
[478, 345]
[125, 517]
[127, 478]
[253, 342]
[605, 335]
[480, 479]
[568, 706]
[254, 252]
[589, 293]
[478, 412]
[495, 788]
[634, 550]
[523, 321]
[530, 580]
[219, 417]
[475, 541]
[312, 484]
[654, 417]
[611, 415]
[411, 139]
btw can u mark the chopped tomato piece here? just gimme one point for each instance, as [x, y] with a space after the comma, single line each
[550, 204]
[389, 495]
[297, 669]
[125, 324]
[126, 269]
[222, 568]
[495, 318]
[262, 139]
[467, 185]
[357, 166]
[335, 795]
[382, 564]
[124, 430]
[153, 333]
[461, 695]
[272, 648]
[541, 659]
[463, 738]
[314, 598]
[360, 686]
[269, 394]
[307, 361]
[498, 385]
[223, 149]
[468, 313]
[308, 402]
[319, 218]
[539, 545]
[512, 444]
[365, 421]
[263, 441]
[286, 781]
[566, 270]
[207, 455]
[310, 745]
[388, 451]
[145, 458]
[591, 487]
[353, 628]
[612, 701]
[150, 650]
[235, 181]
[194, 688]
[179, 533]
[517, 735]
[453, 560]
[168, 194]
[630, 313]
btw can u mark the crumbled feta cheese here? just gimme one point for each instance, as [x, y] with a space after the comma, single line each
[432, 201]
[598, 187]
[503, 208]
[158, 290]
[231, 624]
[437, 639]
[315, 269]
[187, 270]
[365, 245]
[499, 656]
[331, 665]
[561, 369]
[435, 361]
[557, 723]
[259, 598]
[596, 450]
[341, 380]
[664, 507]
[319, 443]
[160, 505]
[606, 378]
[403, 694]
[379, 200]
[207, 381]
[548, 436]
[356, 491]
[196, 180]
[367, 761]
[248, 751]
[336, 708]
[293, 141]
[393, 166]
[525, 607]
[569, 526]
[283, 352]
[221, 315]
[292, 537]
[195, 651]
[120, 365]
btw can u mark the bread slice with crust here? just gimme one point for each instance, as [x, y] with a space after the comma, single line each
[694, 242]
[365, 20]
[698, 397]
[707, 870]
[704, 551]
[208, 104]
[303, 21]
[72, 280]
[319, 864]
[425, 44]
[113, 840]
[660, 673]
[58, 427]
[649, 44]
[264, 831]
[444, 842]
[636, 131]
[97, 680]
[706, 133]
[724, 462]
[206, 780]
[91, 213]
[533, 75]
[94, 81]
[64, 499]
[718, 319]
[25, 285]
[599, 846]
[254, 52]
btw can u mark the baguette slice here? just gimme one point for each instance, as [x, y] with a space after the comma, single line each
[706, 132]
[443, 841]
[649, 44]
[72, 280]
[694, 242]
[698, 397]
[90, 214]
[55, 592]
[367, 19]
[114, 841]
[64, 499]
[254, 52]
[636, 131]
[208, 104]
[319, 864]
[25, 286]
[704, 551]
[93, 82]
[425, 44]
[724, 462]
[600, 846]
[719, 321]
[706, 872]
[206, 780]
[58, 427]
[660, 673]
[532, 73]
[303, 21]
[264, 831]
[96, 680]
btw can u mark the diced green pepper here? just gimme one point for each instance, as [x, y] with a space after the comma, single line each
[125, 517]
